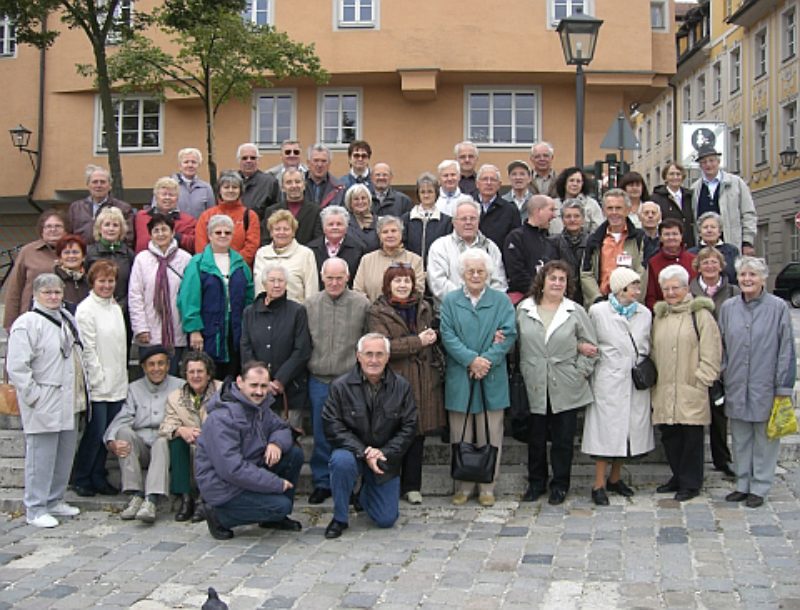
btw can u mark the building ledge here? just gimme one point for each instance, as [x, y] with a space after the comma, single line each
[751, 11]
[419, 84]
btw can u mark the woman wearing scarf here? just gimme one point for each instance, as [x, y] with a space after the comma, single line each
[153, 290]
[362, 228]
[45, 364]
[109, 235]
[617, 423]
[102, 327]
[71, 252]
[402, 315]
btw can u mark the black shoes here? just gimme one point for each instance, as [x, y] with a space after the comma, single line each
[286, 524]
[667, 488]
[319, 495]
[199, 513]
[335, 529]
[186, 509]
[107, 489]
[686, 494]
[619, 487]
[753, 501]
[215, 528]
[532, 494]
[736, 496]
[557, 496]
[599, 497]
[83, 492]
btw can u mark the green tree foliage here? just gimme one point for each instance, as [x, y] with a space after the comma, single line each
[214, 54]
[102, 22]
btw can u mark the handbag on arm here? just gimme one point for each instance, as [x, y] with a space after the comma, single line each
[468, 461]
[644, 373]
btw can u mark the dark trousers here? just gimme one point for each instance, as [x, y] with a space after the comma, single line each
[180, 466]
[718, 435]
[256, 507]
[381, 501]
[90, 460]
[683, 445]
[411, 474]
[560, 427]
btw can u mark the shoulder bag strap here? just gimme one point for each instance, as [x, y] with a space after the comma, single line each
[485, 413]
[636, 349]
[696, 330]
[469, 403]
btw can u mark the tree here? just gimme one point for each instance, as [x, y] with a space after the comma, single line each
[219, 56]
[102, 21]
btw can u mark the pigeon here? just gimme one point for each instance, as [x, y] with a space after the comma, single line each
[214, 602]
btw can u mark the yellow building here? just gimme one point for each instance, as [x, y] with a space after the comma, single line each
[737, 64]
[412, 78]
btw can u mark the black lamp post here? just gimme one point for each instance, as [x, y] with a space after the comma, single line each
[788, 158]
[20, 138]
[578, 39]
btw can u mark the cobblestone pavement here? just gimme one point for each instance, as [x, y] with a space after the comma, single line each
[647, 552]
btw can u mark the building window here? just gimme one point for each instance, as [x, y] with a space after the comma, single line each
[760, 49]
[502, 118]
[716, 77]
[340, 117]
[658, 126]
[687, 102]
[648, 135]
[559, 9]
[260, 12]
[701, 94]
[668, 113]
[761, 140]
[789, 29]
[735, 143]
[122, 19]
[357, 13]
[274, 118]
[658, 15]
[790, 126]
[762, 231]
[736, 69]
[8, 38]
[794, 240]
[138, 120]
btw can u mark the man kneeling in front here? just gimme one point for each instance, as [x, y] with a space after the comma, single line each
[246, 464]
[370, 420]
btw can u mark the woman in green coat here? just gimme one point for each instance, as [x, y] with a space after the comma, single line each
[477, 330]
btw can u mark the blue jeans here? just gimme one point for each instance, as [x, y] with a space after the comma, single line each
[321, 455]
[381, 501]
[90, 461]
[255, 507]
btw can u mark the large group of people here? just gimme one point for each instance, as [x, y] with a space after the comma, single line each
[297, 303]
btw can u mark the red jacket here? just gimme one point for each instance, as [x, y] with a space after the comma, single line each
[184, 229]
[656, 263]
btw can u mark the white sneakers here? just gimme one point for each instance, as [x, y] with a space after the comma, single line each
[44, 520]
[146, 512]
[133, 507]
[48, 519]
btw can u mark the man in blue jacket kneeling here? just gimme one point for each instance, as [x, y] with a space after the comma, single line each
[247, 464]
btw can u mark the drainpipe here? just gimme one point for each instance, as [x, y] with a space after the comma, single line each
[37, 171]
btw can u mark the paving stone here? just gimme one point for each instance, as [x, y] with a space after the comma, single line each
[537, 559]
[359, 600]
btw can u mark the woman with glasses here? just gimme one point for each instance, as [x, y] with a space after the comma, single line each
[363, 222]
[425, 223]
[369, 277]
[217, 285]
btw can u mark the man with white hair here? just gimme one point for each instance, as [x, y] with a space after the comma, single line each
[544, 176]
[449, 192]
[467, 155]
[195, 195]
[443, 273]
[82, 213]
[498, 216]
[259, 189]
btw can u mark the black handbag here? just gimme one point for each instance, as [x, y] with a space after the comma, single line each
[469, 462]
[644, 373]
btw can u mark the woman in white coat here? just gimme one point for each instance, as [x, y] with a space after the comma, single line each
[617, 423]
[45, 364]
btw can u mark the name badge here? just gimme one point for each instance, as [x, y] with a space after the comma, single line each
[624, 260]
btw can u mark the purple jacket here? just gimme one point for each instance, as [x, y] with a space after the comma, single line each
[230, 450]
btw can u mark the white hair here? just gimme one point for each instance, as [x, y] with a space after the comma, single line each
[547, 145]
[94, 169]
[334, 210]
[753, 263]
[476, 254]
[448, 163]
[673, 272]
[183, 152]
[269, 268]
[460, 145]
[370, 337]
[465, 200]
[246, 145]
[217, 220]
[334, 259]
[488, 167]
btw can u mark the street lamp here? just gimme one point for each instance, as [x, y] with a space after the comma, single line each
[20, 138]
[788, 158]
[578, 39]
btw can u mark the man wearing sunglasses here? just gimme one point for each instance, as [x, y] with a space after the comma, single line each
[290, 158]
[260, 189]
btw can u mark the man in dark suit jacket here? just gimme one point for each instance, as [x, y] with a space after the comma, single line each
[305, 212]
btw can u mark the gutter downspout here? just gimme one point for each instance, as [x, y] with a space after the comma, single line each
[37, 172]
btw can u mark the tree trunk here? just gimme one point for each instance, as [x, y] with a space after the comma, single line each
[209, 109]
[106, 103]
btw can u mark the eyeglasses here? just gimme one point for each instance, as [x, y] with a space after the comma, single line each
[294, 151]
[223, 232]
[358, 155]
[248, 158]
[398, 265]
[52, 293]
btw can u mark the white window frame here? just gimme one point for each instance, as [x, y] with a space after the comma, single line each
[716, 83]
[701, 94]
[761, 141]
[735, 143]
[324, 93]
[789, 34]
[668, 114]
[8, 38]
[256, 7]
[735, 69]
[586, 6]
[141, 99]
[658, 7]
[340, 23]
[260, 94]
[687, 102]
[514, 91]
[114, 36]
[760, 53]
[789, 125]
